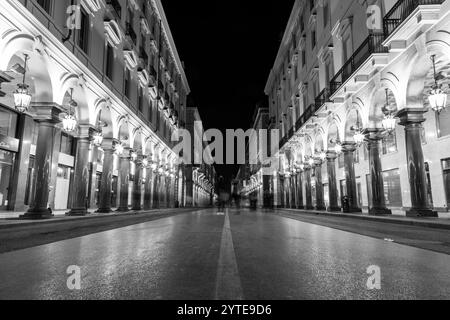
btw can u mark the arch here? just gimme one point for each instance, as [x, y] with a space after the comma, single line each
[39, 69]
[69, 82]
[124, 134]
[103, 116]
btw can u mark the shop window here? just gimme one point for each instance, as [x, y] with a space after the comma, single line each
[67, 143]
[8, 122]
[29, 187]
[389, 144]
[392, 188]
[446, 175]
[127, 83]
[429, 191]
[6, 168]
[442, 121]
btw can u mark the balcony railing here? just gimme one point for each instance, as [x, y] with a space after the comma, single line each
[401, 11]
[372, 44]
[308, 114]
[323, 98]
[115, 6]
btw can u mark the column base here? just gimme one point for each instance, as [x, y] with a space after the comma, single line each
[354, 210]
[137, 209]
[36, 214]
[379, 212]
[321, 208]
[308, 207]
[103, 210]
[334, 209]
[77, 212]
[428, 213]
[123, 209]
[300, 207]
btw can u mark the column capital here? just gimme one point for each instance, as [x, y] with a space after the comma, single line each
[108, 144]
[409, 116]
[348, 146]
[47, 111]
[331, 155]
[373, 134]
[86, 131]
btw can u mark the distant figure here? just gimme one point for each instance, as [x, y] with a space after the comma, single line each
[223, 194]
[235, 194]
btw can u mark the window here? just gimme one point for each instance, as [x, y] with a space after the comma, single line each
[66, 144]
[326, 10]
[392, 188]
[83, 32]
[303, 58]
[127, 83]
[8, 122]
[45, 4]
[140, 100]
[109, 61]
[389, 144]
[313, 38]
[442, 121]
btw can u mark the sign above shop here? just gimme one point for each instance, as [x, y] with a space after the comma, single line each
[8, 143]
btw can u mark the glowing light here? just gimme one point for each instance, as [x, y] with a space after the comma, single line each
[22, 97]
[69, 123]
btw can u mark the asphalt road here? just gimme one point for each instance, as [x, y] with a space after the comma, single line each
[205, 255]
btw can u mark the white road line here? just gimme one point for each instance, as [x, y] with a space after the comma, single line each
[228, 281]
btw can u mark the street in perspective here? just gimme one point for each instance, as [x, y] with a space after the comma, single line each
[171, 150]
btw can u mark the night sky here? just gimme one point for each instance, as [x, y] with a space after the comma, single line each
[228, 49]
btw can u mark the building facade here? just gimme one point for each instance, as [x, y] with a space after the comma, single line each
[251, 180]
[199, 172]
[92, 91]
[359, 92]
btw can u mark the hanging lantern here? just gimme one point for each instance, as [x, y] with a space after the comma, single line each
[311, 161]
[119, 148]
[69, 121]
[322, 155]
[437, 97]
[22, 97]
[358, 136]
[98, 139]
[389, 121]
[338, 148]
[144, 163]
[133, 155]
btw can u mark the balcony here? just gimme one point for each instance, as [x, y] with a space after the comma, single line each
[360, 64]
[115, 7]
[406, 18]
[323, 98]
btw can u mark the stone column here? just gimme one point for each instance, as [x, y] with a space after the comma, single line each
[307, 174]
[320, 204]
[137, 185]
[79, 193]
[124, 176]
[46, 160]
[22, 164]
[300, 204]
[378, 205]
[332, 182]
[93, 176]
[412, 120]
[105, 191]
[156, 183]
[349, 149]
[148, 189]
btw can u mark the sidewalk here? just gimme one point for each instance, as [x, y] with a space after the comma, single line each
[12, 218]
[437, 223]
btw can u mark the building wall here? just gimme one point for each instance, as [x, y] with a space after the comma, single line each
[403, 67]
[58, 63]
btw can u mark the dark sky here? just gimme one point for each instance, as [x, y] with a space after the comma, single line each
[228, 48]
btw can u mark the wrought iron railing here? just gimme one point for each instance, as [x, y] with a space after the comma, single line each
[372, 44]
[322, 98]
[401, 11]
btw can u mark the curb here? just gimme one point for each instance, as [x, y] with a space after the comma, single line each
[64, 219]
[427, 224]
